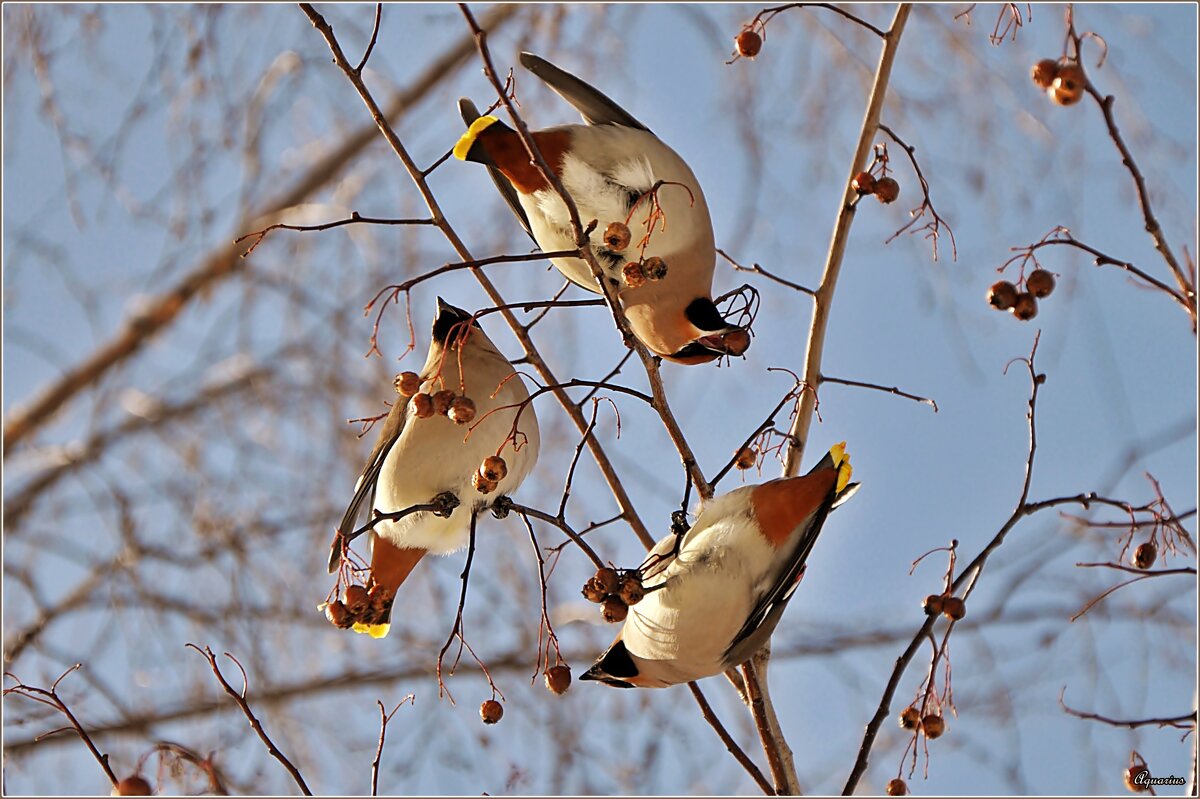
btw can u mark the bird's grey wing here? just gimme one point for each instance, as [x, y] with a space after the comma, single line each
[364, 493]
[469, 114]
[594, 105]
[766, 612]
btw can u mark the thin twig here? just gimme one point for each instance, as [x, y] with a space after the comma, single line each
[887, 389]
[934, 227]
[374, 37]
[255, 724]
[730, 744]
[1183, 722]
[50, 697]
[1152, 225]
[384, 718]
[354, 219]
[758, 270]
[1132, 570]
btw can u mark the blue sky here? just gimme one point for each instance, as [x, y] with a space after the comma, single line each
[1005, 166]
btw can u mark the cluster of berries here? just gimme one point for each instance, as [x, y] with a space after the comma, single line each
[932, 724]
[359, 605]
[1004, 296]
[951, 607]
[635, 273]
[490, 473]
[616, 591]
[558, 680]
[459, 409]
[1063, 80]
[885, 188]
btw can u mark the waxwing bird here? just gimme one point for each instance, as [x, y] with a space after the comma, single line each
[424, 456]
[713, 601]
[616, 171]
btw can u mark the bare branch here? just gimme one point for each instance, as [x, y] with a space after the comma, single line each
[255, 724]
[50, 697]
[727, 739]
[1186, 721]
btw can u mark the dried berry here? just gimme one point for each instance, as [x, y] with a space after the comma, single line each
[1145, 555]
[1040, 283]
[933, 604]
[615, 610]
[1134, 780]
[746, 458]
[462, 410]
[887, 190]
[1002, 295]
[616, 236]
[1068, 83]
[897, 787]
[355, 598]
[749, 43]
[491, 711]
[422, 405]
[1044, 72]
[442, 400]
[654, 268]
[594, 591]
[863, 183]
[338, 615]
[954, 608]
[1024, 306]
[933, 725]
[407, 383]
[494, 468]
[558, 678]
[633, 275]
[910, 718]
[607, 578]
[482, 484]
[736, 341]
[630, 589]
[136, 785]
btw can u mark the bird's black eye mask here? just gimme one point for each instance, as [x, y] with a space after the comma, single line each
[702, 313]
[451, 322]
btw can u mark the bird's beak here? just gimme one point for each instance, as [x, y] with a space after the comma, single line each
[445, 308]
[732, 342]
[597, 674]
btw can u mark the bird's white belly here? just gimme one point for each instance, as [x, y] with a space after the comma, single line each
[687, 626]
[430, 457]
[620, 160]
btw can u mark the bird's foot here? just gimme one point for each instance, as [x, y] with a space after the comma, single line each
[502, 506]
[446, 502]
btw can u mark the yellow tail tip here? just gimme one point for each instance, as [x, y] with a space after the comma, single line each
[467, 140]
[842, 460]
[373, 630]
